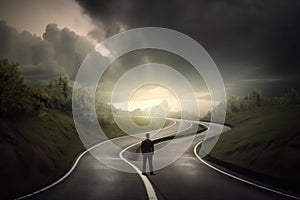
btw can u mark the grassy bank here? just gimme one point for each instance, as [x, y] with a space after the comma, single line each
[36, 151]
[263, 139]
[56, 135]
[39, 150]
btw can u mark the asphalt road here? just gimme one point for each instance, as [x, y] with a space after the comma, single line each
[186, 178]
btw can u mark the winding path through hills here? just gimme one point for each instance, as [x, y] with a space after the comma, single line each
[186, 178]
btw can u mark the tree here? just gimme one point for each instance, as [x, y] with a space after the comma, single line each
[60, 94]
[255, 96]
[104, 113]
[37, 100]
[292, 96]
[83, 109]
[11, 87]
[16, 96]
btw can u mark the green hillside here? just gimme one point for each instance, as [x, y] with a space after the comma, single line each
[39, 150]
[36, 150]
[264, 139]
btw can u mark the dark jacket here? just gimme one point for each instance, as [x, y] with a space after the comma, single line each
[147, 146]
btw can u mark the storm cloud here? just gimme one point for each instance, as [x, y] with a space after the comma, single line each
[58, 51]
[248, 39]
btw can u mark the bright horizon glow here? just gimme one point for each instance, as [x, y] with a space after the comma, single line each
[152, 95]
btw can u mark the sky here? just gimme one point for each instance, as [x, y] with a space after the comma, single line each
[254, 43]
[34, 15]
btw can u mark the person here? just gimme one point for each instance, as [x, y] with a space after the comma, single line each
[147, 148]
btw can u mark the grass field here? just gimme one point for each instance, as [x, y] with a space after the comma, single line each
[264, 139]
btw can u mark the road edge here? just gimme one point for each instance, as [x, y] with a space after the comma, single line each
[74, 166]
[240, 179]
[149, 189]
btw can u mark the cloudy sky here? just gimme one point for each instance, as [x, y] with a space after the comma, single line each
[254, 43]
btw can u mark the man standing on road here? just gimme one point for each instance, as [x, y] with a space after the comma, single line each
[148, 151]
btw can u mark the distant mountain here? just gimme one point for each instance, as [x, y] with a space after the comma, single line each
[138, 112]
[160, 110]
[117, 111]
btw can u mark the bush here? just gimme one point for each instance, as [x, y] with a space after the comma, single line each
[60, 94]
[16, 96]
[255, 99]
[291, 97]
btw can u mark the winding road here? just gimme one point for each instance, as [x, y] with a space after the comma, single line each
[186, 178]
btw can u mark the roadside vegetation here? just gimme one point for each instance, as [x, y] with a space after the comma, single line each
[39, 142]
[36, 150]
[38, 138]
[265, 135]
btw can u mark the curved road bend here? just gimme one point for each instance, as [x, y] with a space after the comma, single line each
[186, 178]
[94, 180]
[189, 178]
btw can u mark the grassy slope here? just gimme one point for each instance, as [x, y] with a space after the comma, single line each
[40, 150]
[56, 135]
[263, 139]
[36, 150]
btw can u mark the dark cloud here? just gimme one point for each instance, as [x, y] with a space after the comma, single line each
[58, 52]
[238, 34]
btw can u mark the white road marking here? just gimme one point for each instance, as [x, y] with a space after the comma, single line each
[59, 180]
[238, 178]
[77, 161]
[150, 191]
[149, 188]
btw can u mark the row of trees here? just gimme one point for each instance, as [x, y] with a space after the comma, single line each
[60, 95]
[84, 110]
[252, 99]
[18, 97]
[255, 99]
[290, 97]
